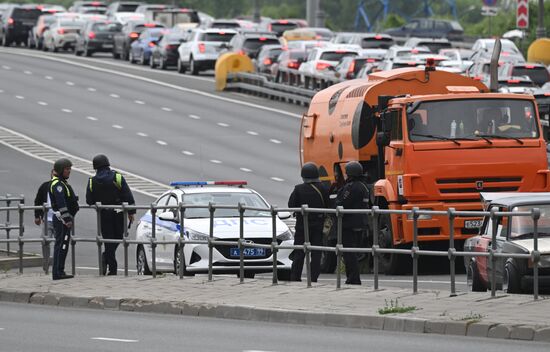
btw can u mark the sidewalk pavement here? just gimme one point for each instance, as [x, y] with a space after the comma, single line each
[11, 261]
[468, 314]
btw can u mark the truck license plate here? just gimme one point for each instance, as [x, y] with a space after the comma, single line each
[473, 224]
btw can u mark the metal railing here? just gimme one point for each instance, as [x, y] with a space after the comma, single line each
[375, 250]
[7, 225]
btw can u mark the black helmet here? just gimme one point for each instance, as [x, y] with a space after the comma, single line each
[310, 172]
[60, 165]
[354, 169]
[100, 161]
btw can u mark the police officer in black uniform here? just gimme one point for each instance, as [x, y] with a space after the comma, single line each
[109, 188]
[353, 195]
[65, 206]
[315, 195]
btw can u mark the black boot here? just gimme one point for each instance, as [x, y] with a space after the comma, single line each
[103, 265]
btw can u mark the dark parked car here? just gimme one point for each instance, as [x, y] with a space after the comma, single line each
[165, 53]
[267, 56]
[97, 37]
[130, 32]
[17, 21]
[514, 234]
[250, 43]
[141, 49]
[429, 27]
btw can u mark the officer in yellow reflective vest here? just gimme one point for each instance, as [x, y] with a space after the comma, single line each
[110, 188]
[65, 206]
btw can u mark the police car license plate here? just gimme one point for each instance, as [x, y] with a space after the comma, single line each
[473, 224]
[248, 252]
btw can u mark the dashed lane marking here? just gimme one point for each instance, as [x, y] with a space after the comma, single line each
[1, 91]
[49, 154]
[139, 102]
[187, 152]
[278, 179]
[69, 83]
[195, 117]
[162, 143]
[245, 169]
[223, 124]
[112, 339]
[252, 133]
[91, 89]
[43, 103]
[167, 109]
[68, 111]
[27, 72]
[276, 141]
[214, 161]
[6, 67]
[118, 127]
[141, 134]
[91, 118]
[48, 77]
[20, 97]
[114, 95]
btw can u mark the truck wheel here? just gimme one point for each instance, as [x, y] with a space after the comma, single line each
[473, 279]
[328, 259]
[391, 264]
[511, 281]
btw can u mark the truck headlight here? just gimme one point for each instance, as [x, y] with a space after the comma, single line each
[420, 216]
[196, 236]
[285, 236]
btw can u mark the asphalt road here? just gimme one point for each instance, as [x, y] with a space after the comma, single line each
[38, 328]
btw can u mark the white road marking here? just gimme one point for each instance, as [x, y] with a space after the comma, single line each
[68, 111]
[48, 77]
[276, 141]
[195, 117]
[252, 133]
[20, 97]
[245, 169]
[27, 72]
[112, 339]
[149, 80]
[167, 109]
[1, 91]
[139, 102]
[223, 124]
[114, 95]
[118, 127]
[69, 83]
[277, 179]
[90, 89]
[91, 118]
[187, 152]
[1, 328]
[162, 143]
[43, 103]
[6, 67]
[214, 161]
[141, 134]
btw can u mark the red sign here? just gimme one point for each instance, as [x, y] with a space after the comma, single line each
[522, 14]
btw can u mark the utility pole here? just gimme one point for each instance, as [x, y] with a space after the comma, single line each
[311, 8]
[257, 18]
[541, 31]
[319, 15]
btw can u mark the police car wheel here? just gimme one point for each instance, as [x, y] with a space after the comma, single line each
[177, 259]
[141, 262]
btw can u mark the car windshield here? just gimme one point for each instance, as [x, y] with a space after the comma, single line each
[383, 43]
[257, 43]
[217, 37]
[538, 74]
[472, 118]
[106, 27]
[522, 226]
[26, 14]
[336, 55]
[228, 198]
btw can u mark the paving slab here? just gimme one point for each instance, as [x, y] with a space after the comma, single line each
[467, 314]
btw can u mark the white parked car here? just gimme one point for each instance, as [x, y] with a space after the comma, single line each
[402, 52]
[226, 227]
[62, 35]
[320, 59]
[202, 49]
[124, 17]
[458, 58]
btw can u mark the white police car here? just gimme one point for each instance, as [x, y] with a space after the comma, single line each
[257, 229]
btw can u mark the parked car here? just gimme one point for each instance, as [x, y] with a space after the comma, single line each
[165, 53]
[225, 259]
[483, 50]
[514, 235]
[430, 28]
[267, 56]
[279, 26]
[458, 58]
[16, 23]
[434, 44]
[96, 37]
[288, 59]
[122, 6]
[372, 40]
[128, 34]
[249, 43]
[202, 49]
[536, 72]
[401, 52]
[36, 34]
[62, 35]
[320, 59]
[140, 49]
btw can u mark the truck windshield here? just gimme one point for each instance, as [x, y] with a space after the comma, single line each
[472, 119]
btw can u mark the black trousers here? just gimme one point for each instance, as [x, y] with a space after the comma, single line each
[350, 238]
[112, 227]
[316, 239]
[60, 248]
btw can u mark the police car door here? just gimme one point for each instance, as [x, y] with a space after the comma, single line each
[168, 231]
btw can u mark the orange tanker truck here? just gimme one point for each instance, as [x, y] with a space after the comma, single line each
[428, 139]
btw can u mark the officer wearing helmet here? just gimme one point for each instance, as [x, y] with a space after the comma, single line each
[315, 195]
[353, 195]
[65, 206]
[109, 188]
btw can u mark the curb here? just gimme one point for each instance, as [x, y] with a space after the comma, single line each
[12, 262]
[244, 312]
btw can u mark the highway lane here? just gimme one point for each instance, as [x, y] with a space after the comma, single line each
[25, 327]
[177, 135]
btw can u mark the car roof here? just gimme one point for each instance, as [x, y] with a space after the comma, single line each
[510, 199]
[211, 189]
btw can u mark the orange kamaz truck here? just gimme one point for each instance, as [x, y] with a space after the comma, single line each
[428, 139]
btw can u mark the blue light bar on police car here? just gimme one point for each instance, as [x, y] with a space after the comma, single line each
[207, 183]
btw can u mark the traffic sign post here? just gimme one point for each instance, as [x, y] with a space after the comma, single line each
[522, 14]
